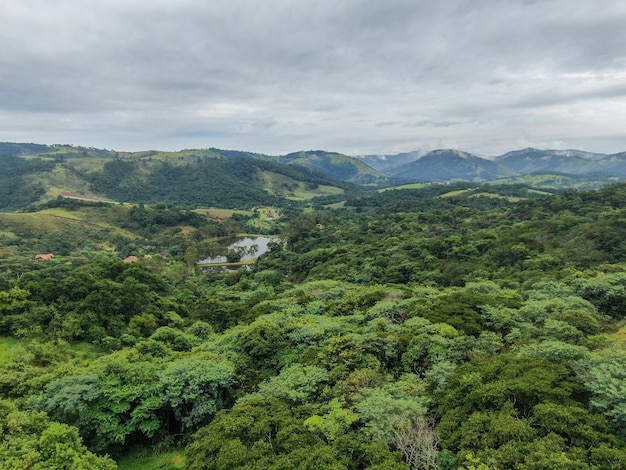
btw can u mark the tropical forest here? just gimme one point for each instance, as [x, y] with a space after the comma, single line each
[385, 324]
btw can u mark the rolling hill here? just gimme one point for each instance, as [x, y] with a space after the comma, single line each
[34, 173]
[336, 165]
[201, 178]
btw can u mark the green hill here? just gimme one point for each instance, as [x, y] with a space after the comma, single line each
[336, 165]
[205, 178]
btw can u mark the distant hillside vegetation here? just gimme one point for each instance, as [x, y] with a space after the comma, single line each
[203, 178]
[35, 173]
[336, 165]
[446, 165]
[18, 187]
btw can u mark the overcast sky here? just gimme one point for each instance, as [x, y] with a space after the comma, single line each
[353, 76]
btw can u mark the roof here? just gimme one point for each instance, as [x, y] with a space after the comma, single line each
[76, 196]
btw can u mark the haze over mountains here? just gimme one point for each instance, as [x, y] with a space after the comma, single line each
[447, 164]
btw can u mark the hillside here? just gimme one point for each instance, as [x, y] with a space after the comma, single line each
[571, 168]
[33, 173]
[450, 165]
[386, 163]
[203, 178]
[546, 161]
[337, 166]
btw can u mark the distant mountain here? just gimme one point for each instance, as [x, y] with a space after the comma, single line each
[20, 150]
[573, 162]
[386, 163]
[578, 153]
[614, 164]
[336, 165]
[450, 165]
[532, 160]
[233, 178]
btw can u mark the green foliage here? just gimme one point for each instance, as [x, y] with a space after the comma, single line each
[499, 320]
[194, 389]
[607, 292]
[13, 304]
[383, 408]
[122, 398]
[31, 440]
[17, 190]
[295, 384]
[250, 435]
[175, 339]
[332, 424]
[514, 409]
[170, 459]
[604, 375]
[207, 182]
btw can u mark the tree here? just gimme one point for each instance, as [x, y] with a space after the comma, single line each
[382, 409]
[13, 304]
[119, 396]
[334, 423]
[233, 256]
[30, 440]
[604, 375]
[254, 434]
[295, 384]
[417, 439]
[195, 389]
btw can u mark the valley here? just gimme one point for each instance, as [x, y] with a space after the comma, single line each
[388, 325]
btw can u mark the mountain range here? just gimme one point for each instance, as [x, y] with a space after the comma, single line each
[230, 178]
[448, 164]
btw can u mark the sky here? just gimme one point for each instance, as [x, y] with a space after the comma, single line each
[352, 76]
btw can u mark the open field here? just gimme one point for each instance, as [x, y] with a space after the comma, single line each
[10, 348]
[59, 220]
[221, 213]
[289, 188]
[168, 460]
[405, 186]
[303, 193]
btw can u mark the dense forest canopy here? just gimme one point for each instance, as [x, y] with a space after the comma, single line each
[472, 327]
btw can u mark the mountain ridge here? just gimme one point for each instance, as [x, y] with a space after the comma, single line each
[439, 165]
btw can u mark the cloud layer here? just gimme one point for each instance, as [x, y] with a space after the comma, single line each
[356, 76]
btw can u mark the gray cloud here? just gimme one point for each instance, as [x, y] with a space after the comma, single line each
[358, 76]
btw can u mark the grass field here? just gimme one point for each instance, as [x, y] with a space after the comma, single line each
[303, 193]
[12, 222]
[267, 215]
[336, 205]
[170, 460]
[557, 181]
[58, 220]
[456, 193]
[221, 213]
[13, 348]
[405, 186]
[620, 336]
[289, 188]
[10, 348]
